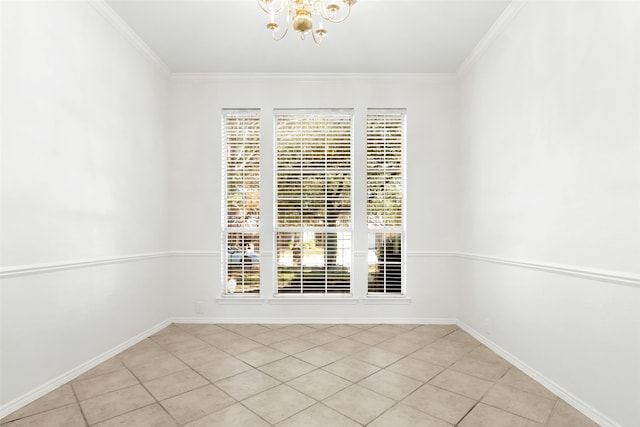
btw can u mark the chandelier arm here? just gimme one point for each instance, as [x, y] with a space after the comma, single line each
[285, 31]
[326, 17]
[316, 39]
[267, 10]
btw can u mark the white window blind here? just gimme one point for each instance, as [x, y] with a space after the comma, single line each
[241, 201]
[313, 212]
[385, 200]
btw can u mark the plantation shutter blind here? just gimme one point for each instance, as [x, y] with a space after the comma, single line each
[385, 199]
[313, 200]
[241, 200]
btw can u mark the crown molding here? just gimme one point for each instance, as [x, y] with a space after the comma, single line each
[503, 21]
[313, 76]
[131, 36]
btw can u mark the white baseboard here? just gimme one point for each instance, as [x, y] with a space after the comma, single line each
[316, 320]
[559, 391]
[49, 386]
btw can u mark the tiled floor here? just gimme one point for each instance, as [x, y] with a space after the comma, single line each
[303, 375]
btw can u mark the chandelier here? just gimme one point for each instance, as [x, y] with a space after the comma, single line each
[305, 16]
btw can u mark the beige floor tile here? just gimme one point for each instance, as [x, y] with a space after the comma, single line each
[442, 404]
[222, 368]
[62, 396]
[171, 329]
[223, 337]
[101, 384]
[296, 330]
[318, 415]
[117, 402]
[466, 385]
[186, 346]
[171, 339]
[388, 330]
[406, 416]
[234, 415]
[487, 416]
[483, 354]
[261, 356]
[158, 367]
[171, 385]
[359, 403]
[197, 403]
[320, 325]
[319, 356]
[363, 326]
[278, 403]
[487, 371]
[293, 346]
[110, 365]
[66, 416]
[247, 330]
[142, 353]
[203, 330]
[351, 369]
[240, 345]
[377, 356]
[401, 346]
[247, 384]
[390, 384]
[369, 338]
[345, 346]
[202, 357]
[342, 330]
[319, 337]
[453, 346]
[517, 379]
[287, 369]
[420, 336]
[437, 356]
[319, 384]
[149, 416]
[415, 368]
[270, 337]
[564, 415]
[440, 329]
[462, 337]
[520, 402]
[275, 325]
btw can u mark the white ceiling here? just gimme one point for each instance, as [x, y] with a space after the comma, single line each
[381, 36]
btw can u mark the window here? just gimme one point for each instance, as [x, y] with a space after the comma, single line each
[313, 212]
[241, 201]
[385, 200]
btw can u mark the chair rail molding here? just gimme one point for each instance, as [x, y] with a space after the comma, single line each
[24, 270]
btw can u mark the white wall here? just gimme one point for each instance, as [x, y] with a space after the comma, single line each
[550, 145]
[195, 189]
[83, 178]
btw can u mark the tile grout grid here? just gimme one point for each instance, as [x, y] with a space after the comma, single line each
[302, 375]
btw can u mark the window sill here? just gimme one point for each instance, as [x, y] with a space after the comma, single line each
[239, 300]
[386, 300]
[312, 301]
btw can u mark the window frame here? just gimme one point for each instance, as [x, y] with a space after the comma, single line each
[401, 230]
[225, 228]
[350, 112]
